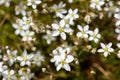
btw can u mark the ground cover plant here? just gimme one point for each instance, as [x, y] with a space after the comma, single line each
[59, 39]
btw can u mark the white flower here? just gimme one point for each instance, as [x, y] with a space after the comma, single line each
[106, 49]
[2, 68]
[62, 58]
[20, 8]
[25, 74]
[72, 14]
[38, 58]
[33, 3]
[117, 16]
[27, 21]
[111, 8]
[27, 35]
[83, 31]
[58, 9]
[68, 21]
[61, 29]
[9, 75]
[20, 27]
[97, 4]
[94, 35]
[25, 59]
[11, 55]
[49, 37]
[6, 2]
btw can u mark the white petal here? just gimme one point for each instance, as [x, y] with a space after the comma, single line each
[67, 67]
[63, 36]
[19, 58]
[69, 58]
[100, 50]
[55, 26]
[110, 49]
[59, 67]
[22, 63]
[79, 34]
[80, 27]
[91, 38]
[86, 28]
[105, 54]
[102, 45]
[62, 23]
[55, 33]
[109, 45]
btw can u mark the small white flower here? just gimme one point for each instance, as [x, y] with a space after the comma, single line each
[25, 59]
[83, 31]
[25, 74]
[111, 9]
[94, 35]
[6, 2]
[38, 58]
[49, 37]
[61, 29]
[9, 75]
[20, 27]
[59, 9]
[97, 4]
[33, 3]
[72, 14]
[27, 35]
[11, 55]
[62, 58]
[20, 8]
[106, 49]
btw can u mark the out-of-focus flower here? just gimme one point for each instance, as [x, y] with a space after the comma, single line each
[38, 58]
[96, 4]
[25, 74]
[59, 9]
[111, 9]
[11, 56]
[70, 1]
[20, 8]
[9, 75]
[6, 2]
[49, 37]
[106, 49]
[33, 3]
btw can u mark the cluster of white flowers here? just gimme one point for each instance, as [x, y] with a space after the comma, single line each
[62, 58]
[33, 3]
[25, 59]
[6, 2]
[23, 28]
[96, 4]
[85, 32]
[14, 65]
